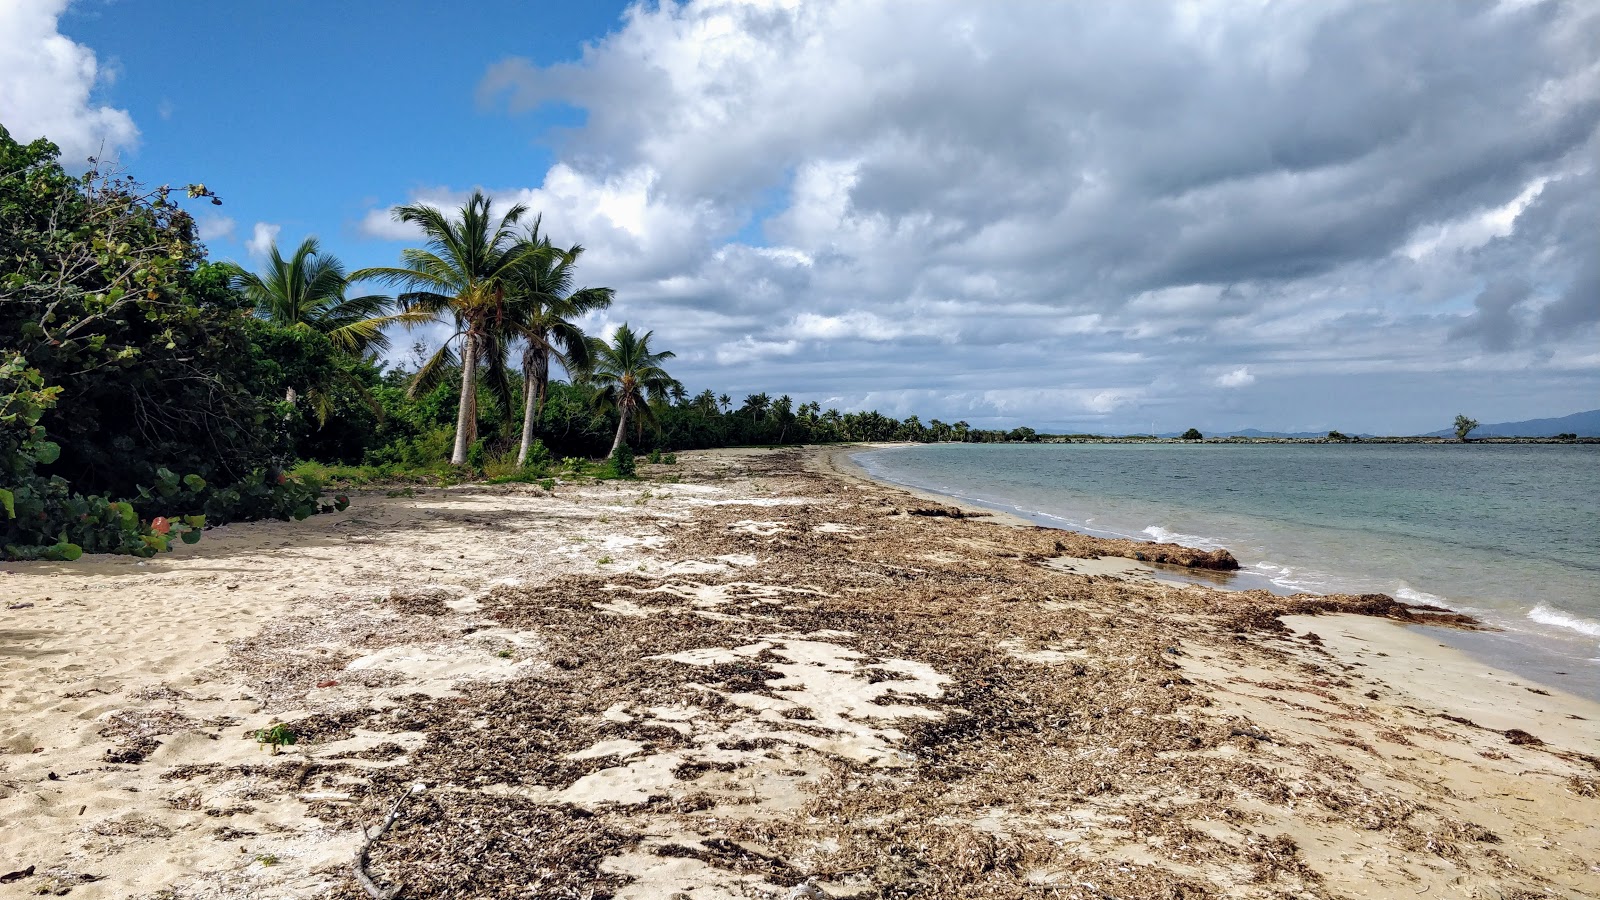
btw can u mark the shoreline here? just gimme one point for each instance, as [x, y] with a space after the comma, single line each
[743, 674]
[1493, 646]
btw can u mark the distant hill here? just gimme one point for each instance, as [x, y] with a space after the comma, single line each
[1583, 424]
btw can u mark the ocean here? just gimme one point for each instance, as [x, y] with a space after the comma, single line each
[1509, 533]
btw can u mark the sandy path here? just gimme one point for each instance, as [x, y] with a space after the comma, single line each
[739, 676]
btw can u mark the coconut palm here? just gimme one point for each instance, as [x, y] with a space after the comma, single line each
[465, 276]
[627, 375]
[543, 307]
[306, 293]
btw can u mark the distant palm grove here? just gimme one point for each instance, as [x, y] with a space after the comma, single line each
[147, 392]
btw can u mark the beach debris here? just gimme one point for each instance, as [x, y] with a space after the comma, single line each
[18, 875]
[18, 605]
[1521, 738]
[371, 836]
[133, 751]
[947, 512]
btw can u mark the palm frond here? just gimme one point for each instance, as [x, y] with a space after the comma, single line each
[434, 370]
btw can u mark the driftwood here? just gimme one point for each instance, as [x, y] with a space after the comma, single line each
[371, 836]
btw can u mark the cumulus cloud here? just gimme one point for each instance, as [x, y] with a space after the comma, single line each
[747, 349]
[1494, 322]
[47, 84]
[212, 228]
[261, 239]
[1080, 198]
[1240, 377]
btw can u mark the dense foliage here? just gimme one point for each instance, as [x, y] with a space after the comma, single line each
[128, 358]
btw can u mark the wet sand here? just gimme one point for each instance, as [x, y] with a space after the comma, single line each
[750, 675]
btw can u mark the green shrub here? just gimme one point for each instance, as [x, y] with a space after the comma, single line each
[654, 458]
[538, 458]
[622, 462]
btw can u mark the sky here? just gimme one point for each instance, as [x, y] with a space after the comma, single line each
[1300, 216]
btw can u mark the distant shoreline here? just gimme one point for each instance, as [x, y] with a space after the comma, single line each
[1288, 440]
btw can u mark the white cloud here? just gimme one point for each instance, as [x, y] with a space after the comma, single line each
[1475, 229]
[47, 82]
[1236, 378]
[1093, 199]
[262, 237]
[214, 227]
[748, 349]
[864, 326]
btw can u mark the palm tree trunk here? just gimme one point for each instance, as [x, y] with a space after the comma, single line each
[541, 374]
[528, 415]
[535, 379]
[622, 427]
[466, 412]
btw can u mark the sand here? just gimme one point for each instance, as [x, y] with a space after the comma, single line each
[751, 674]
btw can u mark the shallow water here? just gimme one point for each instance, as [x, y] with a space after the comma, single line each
[1509, 533]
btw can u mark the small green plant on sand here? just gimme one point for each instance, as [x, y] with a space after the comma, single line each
[603, 561]
[274, 737]
[267, 859]
[670, 459]
[654, 457]
[504, 654]
[548, 484]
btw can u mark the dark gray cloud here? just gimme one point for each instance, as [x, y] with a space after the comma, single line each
[1079, 214]
[1495, 323]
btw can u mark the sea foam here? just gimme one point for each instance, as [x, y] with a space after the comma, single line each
[1549, 615]
[1415, 597]
[1166, 536]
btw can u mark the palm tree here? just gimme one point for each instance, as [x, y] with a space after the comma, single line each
[544, 304]
[627, 375]
[306, 293]
[757, 404]
[465, 275]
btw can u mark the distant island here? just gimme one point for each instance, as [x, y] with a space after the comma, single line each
[1577, 425]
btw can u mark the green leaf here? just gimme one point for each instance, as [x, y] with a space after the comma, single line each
[125, 513]
[9, 501]
[47, 452]
[190, 537]
[67, 552]
[195, 521]
[194, 483]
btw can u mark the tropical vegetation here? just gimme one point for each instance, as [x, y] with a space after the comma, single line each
[148, 392]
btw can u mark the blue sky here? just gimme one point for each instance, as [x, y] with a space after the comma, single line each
[1071, 215]
[307, 115]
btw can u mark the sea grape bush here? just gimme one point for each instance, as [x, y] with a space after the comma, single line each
[43, 518]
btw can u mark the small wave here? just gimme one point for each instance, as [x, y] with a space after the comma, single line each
[1549, 615]
[1167, 536]
[1420, 598]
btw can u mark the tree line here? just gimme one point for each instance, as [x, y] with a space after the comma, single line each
[147, 391]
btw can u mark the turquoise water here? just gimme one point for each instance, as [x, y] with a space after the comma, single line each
[1509, 533]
